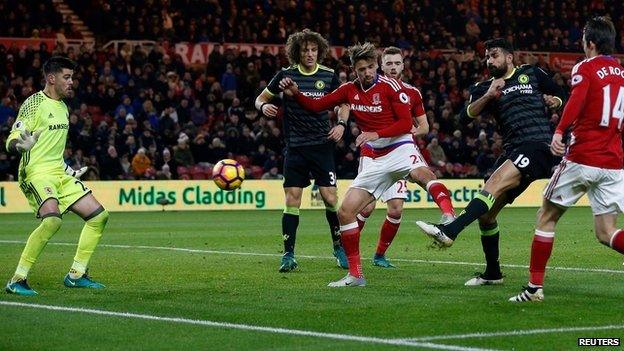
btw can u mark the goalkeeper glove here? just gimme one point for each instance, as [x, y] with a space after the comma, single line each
[76, 174]
[26, 141]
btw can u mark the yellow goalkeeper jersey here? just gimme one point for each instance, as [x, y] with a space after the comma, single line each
[41, 113]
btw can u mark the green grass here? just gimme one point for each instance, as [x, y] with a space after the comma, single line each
[420, 298]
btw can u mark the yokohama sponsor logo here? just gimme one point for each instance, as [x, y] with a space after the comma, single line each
[313, 94]
[524, 88]
[366, 108]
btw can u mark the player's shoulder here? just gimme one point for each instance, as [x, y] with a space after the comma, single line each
[484, 84]
[347, 85]
[524, 67]
[33, 102]
[322, 68]
[390, 82]
[585, 64]
[410, 88]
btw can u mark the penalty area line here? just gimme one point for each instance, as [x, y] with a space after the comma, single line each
[516, 333]
[224, 325]
[260, 254]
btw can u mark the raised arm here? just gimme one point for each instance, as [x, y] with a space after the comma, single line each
[326, 102]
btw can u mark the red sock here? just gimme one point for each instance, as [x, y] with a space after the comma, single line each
[389, 229]
[361, 219]
[540, 253]
[617, 241]
[350, 237]
[440, 195]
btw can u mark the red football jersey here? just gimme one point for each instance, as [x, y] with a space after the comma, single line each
[595, 110]
[417, 109]
[415, 99]
[383, 107]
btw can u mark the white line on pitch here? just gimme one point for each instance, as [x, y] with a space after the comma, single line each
[343, 337]
[515, 333]
[459, 263]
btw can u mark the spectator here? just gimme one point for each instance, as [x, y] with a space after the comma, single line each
[438, 157]
[111, 165]
[181, 152]
[198, 114]
[167, 160]
[273, 173]
[229, 83]
[140, 164]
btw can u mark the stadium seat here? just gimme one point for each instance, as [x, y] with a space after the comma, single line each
[256, 172]
[182, 171]
[243, 160]
[198, 172]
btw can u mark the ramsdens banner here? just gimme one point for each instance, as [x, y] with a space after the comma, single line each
[254, 194]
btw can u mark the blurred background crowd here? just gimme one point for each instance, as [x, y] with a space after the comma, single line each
[140, 113]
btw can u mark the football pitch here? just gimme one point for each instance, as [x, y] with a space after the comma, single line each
[209, 281]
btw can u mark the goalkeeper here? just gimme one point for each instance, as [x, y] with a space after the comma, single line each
[51, 187]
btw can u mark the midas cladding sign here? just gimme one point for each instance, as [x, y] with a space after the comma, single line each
[254, 194]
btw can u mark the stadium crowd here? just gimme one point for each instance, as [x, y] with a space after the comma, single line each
[145, 115]
[35, 19]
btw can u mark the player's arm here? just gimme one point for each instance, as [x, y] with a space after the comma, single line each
[418, 112]
[338, 130]
[480, 99]
[400, 104]
[335, 98]
[22, 138]
[262, 102]
[422, 126]
[572, 110]
[554, 95]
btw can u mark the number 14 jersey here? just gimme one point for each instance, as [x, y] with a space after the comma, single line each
[595, 111]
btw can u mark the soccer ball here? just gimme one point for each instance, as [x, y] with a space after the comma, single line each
[228, 174]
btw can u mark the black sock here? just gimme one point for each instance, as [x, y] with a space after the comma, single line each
[489, 240]
[334, 226]
[290, 222]
[476, 207]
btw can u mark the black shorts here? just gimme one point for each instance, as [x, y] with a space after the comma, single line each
[304, 162]
[533, 160]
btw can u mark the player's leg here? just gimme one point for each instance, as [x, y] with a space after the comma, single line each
[95, 217]
[296, 177]
[541, 248]
[564, 189]
[607, 200]
[330, 198]
[355, 200]
[290, 223]
[389, 229]
[50, 224]
[320, 162]
[506, 177]
[490, 234]
[362, 217]
[438, 191]
[520, 166]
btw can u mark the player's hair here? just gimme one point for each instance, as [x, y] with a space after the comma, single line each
[298, 40]
[499, 43]
[366, 51]
[600, 31]
[55, 64]
[391, 50]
